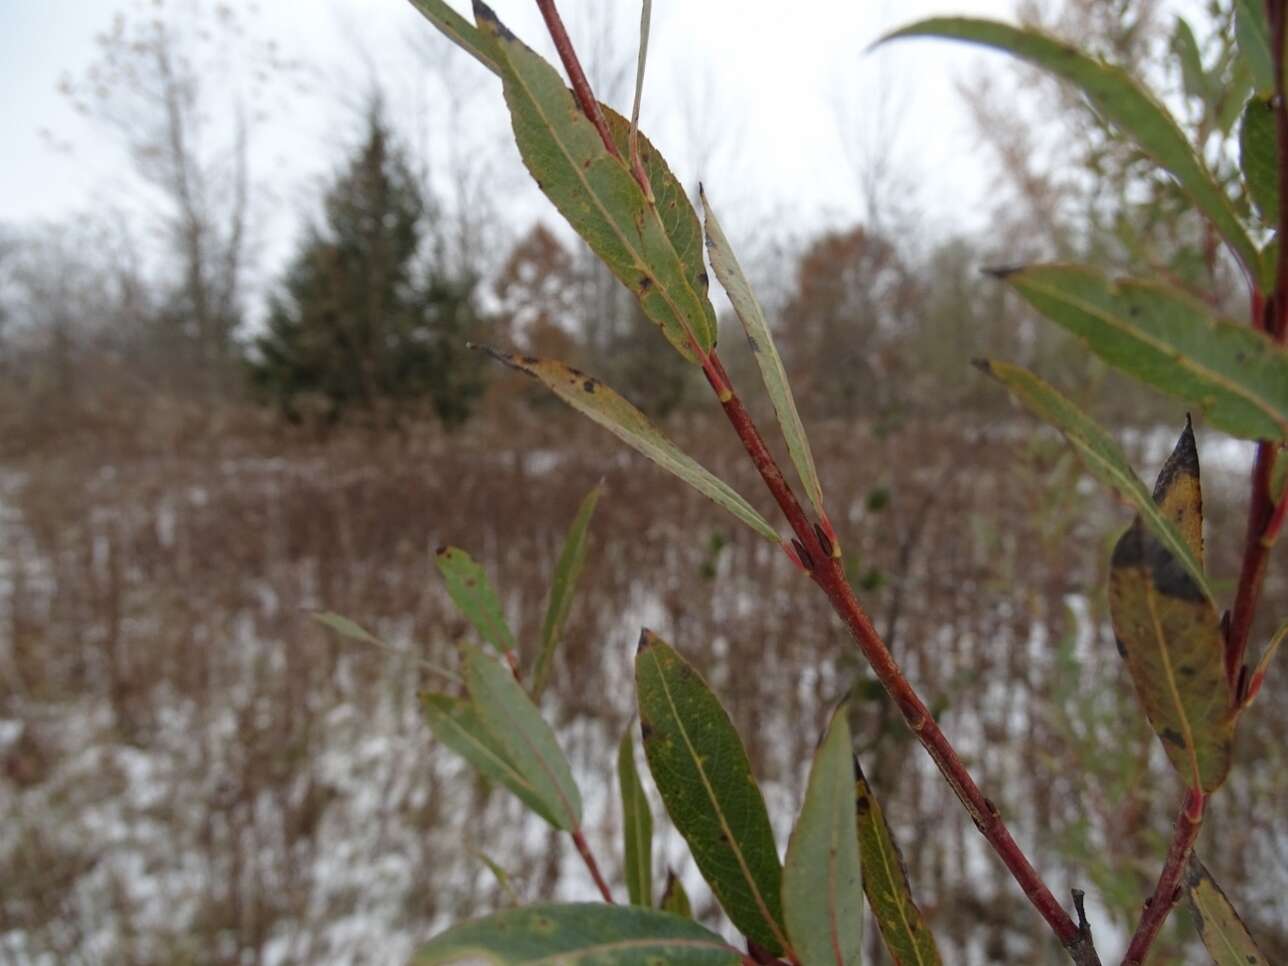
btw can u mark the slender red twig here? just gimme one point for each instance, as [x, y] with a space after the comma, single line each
[815, 551]
[1168, 890]
[580, 86]
[589, 858]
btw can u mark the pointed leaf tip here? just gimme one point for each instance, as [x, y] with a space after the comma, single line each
[1001, 272]
[983, 365]
[647, 640]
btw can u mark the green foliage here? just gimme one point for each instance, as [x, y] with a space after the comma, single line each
[637, 826]
[1259, 157]
[674, 899]
[822, 890]
[361, 321]
[1222, 931]
[580, 934]
[473, 593]
[567, 570]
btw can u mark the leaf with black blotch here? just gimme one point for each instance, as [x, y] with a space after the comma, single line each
[903, 928]
[473, 593]
[579, 934]
[674, 899]
[822, 884]
[592, 398]
[655, 250]
[458, 30]
[1223, 933]
[1170, 340]
[637, 826]
[456, 724]
[1170, 635]
[528, 742]
[567, 570]
[704, 777]
[1119, 99]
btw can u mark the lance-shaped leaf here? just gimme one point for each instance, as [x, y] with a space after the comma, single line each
[592, 398]
[1258, 676]
[674, 899]
[580, 934]
[459, 30]
[1119, 99]
[528, 742]
[885, 882]
[1186, 49]
[567, 570]
[654, 249]
[1099, 453]
[822, 885]
[1259, 157]
[735, 283]
[456, 724]
[702, 772]
[1170, 635]
[1253, 32]
[1223, 933]
[637, 826]
[472, 592]
[1237, 375]
[502, 877]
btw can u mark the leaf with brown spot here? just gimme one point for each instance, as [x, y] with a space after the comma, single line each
[473, 593]
[1170, 635]
[1223, 933]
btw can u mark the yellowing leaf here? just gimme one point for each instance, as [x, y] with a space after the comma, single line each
[1223, 933]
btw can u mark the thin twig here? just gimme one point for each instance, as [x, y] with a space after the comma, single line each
[1168, 890]
[589, 858]
[580, 86]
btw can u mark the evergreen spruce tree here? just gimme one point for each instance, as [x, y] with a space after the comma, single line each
[364, 320]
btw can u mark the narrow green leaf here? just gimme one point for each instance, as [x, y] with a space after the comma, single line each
[674, 899]
[702, 772]
[579, 934]
[354, 632]
[472, 592]
[735, 283]
[1235, 374]
[1169, 633]
[1099, 453]
[1186, 49]
[457, 724]
[1258, 676]
[885, 882]
[1253, 32]
[654, 249]
[1259, 158]
[637, 826]
[528, 742]
[822, 885]
[502, 877]
[646, 20]
[567, 570]
[458, 30]
[1118, 98]
[594, 399]
[1223, 933]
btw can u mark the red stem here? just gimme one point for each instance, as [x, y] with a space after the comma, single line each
[1168, 890]
[828, 572]
[580, 86]
[589, 858]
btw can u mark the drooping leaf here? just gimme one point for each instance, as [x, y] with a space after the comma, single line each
[1235, 374]
[456, 724]
[579, 934]
[1258, 676]
[502, 877]
[637, 826]
[674, 899]
[528, 742]
[1100, 454]
[472, 592]
[1170, 635]
[1259, 158]
[650, 248]
[735, 283]
[567, 570]
[1223, 933]
[885, 882]
[355, 632]
[822, 885]
[701, 770]
[1119, 99]
[1186, 49]
[1253, 32]
[459, 30]
[594, 399]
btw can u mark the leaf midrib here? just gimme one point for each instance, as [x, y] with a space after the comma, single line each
[719, 812]
[1170, 677]
[893, 874]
